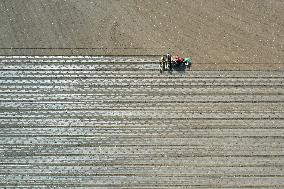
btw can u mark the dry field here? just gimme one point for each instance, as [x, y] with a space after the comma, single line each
[114, 121]
[209, 30]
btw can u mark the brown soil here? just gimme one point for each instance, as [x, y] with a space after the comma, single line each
[219, 31]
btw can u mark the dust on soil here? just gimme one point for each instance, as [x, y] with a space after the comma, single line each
[211, 31]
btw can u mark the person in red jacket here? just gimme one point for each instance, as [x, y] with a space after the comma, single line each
[178, 60]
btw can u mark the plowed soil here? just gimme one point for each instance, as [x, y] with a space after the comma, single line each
[210, 31]
[115, 121]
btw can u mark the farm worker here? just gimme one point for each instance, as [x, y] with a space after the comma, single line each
[178, 60]
[169, 60]
[163, 62]
[169, 57]
[187, 60]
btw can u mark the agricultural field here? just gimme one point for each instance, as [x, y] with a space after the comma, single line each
[115, 122]
[219, 31]
[83, 104]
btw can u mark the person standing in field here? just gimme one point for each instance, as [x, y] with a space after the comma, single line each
[169, 60]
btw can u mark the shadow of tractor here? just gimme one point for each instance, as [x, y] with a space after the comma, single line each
[182, 67]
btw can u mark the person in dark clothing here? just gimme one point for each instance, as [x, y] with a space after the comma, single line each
[169, 60]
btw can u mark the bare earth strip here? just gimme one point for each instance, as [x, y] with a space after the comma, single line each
[210, 31]
[116, 122]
